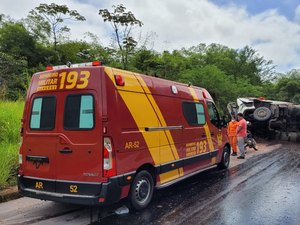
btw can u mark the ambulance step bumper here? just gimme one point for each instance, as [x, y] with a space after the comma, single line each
[82, 193]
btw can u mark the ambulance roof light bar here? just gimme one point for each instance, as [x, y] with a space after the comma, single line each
[69, 65]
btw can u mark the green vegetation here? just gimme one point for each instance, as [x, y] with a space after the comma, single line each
[10, 122]
[30, 44]
[123, 24]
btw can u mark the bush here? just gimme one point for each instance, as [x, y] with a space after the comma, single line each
[10, 121]
[8, 163]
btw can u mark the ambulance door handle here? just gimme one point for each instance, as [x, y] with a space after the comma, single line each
[212, 133]
[66, 151]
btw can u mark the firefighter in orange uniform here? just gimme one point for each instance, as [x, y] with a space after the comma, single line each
[232, 126]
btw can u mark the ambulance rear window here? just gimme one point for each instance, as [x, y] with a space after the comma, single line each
[43, 113]
[79, 112]
[194, 113]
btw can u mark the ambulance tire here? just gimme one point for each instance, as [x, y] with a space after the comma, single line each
[224, 164]
[141, 191]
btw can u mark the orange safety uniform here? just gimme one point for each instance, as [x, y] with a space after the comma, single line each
[232, 126]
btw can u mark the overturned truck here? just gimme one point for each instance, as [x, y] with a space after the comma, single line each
[268, 118]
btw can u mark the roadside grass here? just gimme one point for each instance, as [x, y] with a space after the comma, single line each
[10, 122]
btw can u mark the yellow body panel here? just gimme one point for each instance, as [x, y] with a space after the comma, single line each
[146, 113]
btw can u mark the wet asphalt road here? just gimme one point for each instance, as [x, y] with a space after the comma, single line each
[263, 190]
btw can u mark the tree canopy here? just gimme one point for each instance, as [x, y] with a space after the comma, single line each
[45, 20]
[123, 22]
[225, 72]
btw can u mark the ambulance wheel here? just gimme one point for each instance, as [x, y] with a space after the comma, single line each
[224, 164]
[141, 191]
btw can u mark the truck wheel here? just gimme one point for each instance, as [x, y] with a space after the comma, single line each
[224, 164]
[262, 113]
[141, 191]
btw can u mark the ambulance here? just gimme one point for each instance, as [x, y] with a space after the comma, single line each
[93, 135]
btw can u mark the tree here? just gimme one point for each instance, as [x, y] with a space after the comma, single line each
[172, 64]
[123, 23]
[223, 57]
[39, 28]
[16, 41]
[81, 51]
[253, 66]
[244, 63]
[214, 80]
[288, 87]
[97, 51]
[55, 15]
[12, 79]
[20, 55]
[221, 87]
[145, 61]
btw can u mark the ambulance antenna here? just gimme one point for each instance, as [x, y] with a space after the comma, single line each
[69, 64]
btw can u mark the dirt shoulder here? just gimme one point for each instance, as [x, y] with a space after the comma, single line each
[9, 193]
[262, 146]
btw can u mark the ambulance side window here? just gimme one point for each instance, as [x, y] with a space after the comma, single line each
[193, 113]
[43, 113]
[213, 114]
[79, 112]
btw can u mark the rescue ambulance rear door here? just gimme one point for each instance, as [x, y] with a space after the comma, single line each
[64, 140]
[79, 148]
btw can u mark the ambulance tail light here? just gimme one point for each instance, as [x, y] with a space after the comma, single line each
[20, 164]
[109, 161]
[20, 159]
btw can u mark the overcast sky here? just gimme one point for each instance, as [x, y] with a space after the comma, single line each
[272, 27]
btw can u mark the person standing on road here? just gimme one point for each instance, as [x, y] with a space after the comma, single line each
[231, 131]
[241, 133]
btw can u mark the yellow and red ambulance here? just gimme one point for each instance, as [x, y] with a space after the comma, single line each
[93, 135]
